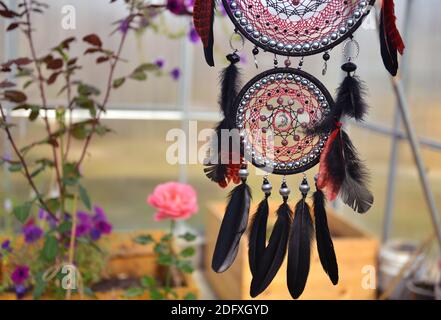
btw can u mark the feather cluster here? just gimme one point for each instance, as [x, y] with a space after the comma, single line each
[342, 173]
[257, 235]
[224, 156]
[391, 42]
[233, 226]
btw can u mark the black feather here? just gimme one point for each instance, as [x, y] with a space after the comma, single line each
[350, 98]
[230, 87]
[208, 51]
[257, 236]
[274, 254]
[233, 226]
[216, 166]
[299, 249]
[354, 191]
[325, 247]
[388, 51]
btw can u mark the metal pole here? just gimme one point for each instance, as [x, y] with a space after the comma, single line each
[393, 162]
[404, 110]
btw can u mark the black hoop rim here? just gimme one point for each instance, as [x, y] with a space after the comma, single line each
[266, 48]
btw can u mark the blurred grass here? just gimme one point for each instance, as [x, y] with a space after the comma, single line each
[123, 167]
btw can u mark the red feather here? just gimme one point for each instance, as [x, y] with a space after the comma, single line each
[390, 26]
[203, 18]
[326, 182]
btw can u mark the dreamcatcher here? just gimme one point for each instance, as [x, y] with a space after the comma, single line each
[284, 121]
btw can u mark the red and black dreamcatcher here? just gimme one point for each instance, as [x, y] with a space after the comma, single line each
[285, 122]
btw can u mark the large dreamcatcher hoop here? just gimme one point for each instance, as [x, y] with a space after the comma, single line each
[294, 27]
[275, 111]
[284, 121]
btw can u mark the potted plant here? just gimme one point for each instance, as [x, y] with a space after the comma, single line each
[174, 201]
[60, 227]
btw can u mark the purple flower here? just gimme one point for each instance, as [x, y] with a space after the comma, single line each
[101, 225]
[175, 73]
[84, 224]
[32, 233]
[178, 7]
[6, 245]
[160, 63]
[100, 214]
[124, 26]
[193, 35]
[20, 274]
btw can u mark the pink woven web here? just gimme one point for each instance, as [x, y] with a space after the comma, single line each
[315, 19]
[289, 143]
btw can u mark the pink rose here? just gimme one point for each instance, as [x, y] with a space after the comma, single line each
[174, 201]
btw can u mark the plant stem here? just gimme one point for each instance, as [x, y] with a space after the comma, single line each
[171, 253]
[69, 109]
[24, 165]
[72, 241]
[113, 65]
[28, 33]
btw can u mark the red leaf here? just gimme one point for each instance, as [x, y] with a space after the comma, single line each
[93, 39]
[102, 59]
[12, 26]
[6, 84]
[15, 96]
[22, 61]
[52, 78]
[55, 64]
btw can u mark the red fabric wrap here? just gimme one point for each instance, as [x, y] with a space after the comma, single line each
[390, 26]
[203, 11]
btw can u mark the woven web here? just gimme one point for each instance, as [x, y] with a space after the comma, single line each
[289, 22]
[275, 120]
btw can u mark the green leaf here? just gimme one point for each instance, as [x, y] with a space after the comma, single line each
[53, 204]
[167, 237]
[79, 131]
[185, 266]
[34, 114]
[15, 167]
[139, 76]
[147, 67]
[84, 102]
[22, 212]
[14, 96]
[188, 236]
[188, 252]
[155, 294]
[84, 196]
[148, 282]
[134, 292]
[165, 260]
[39, 287]
[66, 226]
[87, 90]
[70, 174]
[190, 296]
[50, 248]
[118, 82]
[144, 239]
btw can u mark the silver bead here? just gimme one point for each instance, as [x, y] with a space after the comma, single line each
[267, 188]
[243, 173]
[284, 191]
[304, 188]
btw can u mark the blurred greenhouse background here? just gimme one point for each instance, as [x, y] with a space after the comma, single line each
[130, 162]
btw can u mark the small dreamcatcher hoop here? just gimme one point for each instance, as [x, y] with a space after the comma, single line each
[297, 27]
[275, 111]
